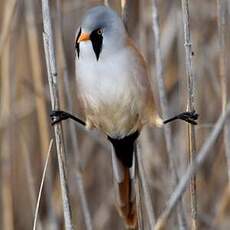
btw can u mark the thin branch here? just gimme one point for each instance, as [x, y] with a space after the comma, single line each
[164, 104]
[52, 78]
[190, 106]
[193, 168]
[41, 185]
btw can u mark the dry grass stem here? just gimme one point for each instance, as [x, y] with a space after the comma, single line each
[41, 185]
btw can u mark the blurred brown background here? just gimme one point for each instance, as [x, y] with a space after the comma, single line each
[25, 130]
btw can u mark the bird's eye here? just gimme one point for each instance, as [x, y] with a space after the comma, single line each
[99, 31]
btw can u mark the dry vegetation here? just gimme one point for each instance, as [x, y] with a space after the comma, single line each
[25, 130]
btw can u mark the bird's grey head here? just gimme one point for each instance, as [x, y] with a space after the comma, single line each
[104, 29]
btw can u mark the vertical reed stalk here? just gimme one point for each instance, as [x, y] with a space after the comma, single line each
[52, 78]
[190, 106]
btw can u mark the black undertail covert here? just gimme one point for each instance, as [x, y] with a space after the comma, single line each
[124, 148]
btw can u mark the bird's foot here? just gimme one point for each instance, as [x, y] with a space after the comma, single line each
[58, 116]
[189, 117]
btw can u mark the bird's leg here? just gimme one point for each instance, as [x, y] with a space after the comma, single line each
[189, 117]
[58, 116]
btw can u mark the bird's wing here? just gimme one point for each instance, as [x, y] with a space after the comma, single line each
[143, 81]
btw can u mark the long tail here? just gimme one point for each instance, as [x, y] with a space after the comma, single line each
[123, 160]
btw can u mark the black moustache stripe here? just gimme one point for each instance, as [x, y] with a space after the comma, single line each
[96, 40]
[77, 44]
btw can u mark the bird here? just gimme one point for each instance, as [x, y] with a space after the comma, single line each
[115, 92]
[116, 95]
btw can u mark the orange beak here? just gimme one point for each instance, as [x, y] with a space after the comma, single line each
[83, 37]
